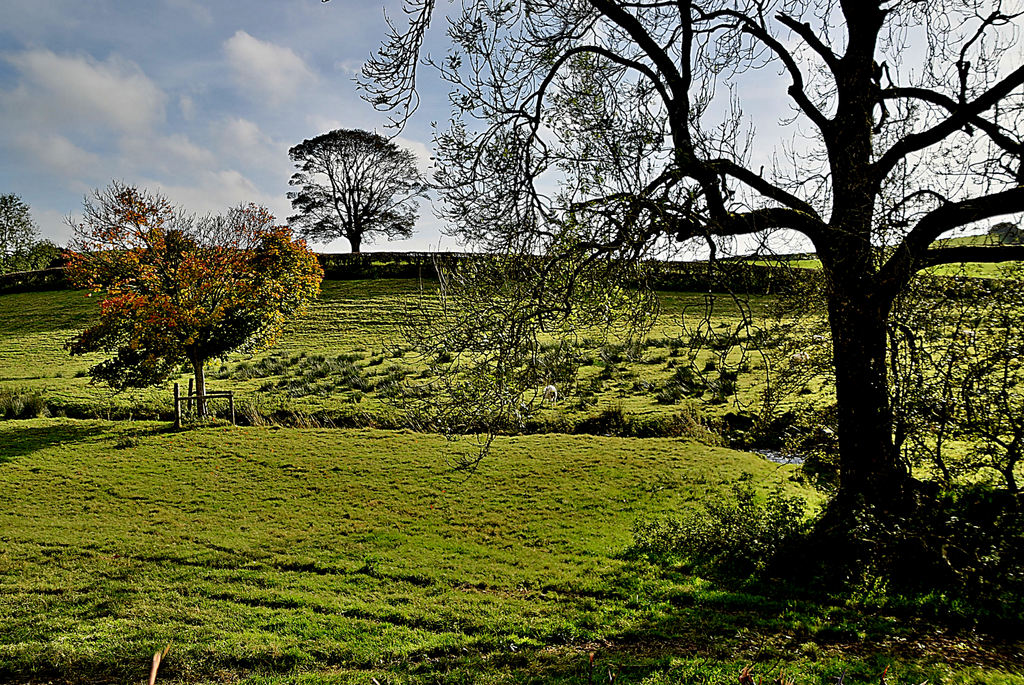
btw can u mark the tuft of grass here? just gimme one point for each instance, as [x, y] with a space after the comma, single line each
[22, 404]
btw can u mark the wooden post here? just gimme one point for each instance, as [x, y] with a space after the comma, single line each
[177, 407]
[231, 405]
[191, 393]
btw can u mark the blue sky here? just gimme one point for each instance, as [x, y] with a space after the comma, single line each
[200, 100]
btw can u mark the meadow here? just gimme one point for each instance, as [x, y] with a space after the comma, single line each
[297, 553]
[341, 362]
[322, 556]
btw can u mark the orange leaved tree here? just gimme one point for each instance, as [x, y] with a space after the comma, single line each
[181, 289]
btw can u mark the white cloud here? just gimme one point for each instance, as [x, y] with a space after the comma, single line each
[216, 191]
[175, 153]
[187, 106]
[322, 124]
[79, 91]
[244, 141]
[58, 155]
[244, 138]
[349, 66]
[52, 225]
[421, 150]
[266, 69]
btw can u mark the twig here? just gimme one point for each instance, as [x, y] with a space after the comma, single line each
[157, 656]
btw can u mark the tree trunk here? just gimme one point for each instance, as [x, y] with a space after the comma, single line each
[870, 469]
[198, 367]
[355, 240]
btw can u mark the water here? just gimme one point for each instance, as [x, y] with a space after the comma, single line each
[778, 457]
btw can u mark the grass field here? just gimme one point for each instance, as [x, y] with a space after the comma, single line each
[284, 556]
[337, 363]
[973, 269]
[269, 555]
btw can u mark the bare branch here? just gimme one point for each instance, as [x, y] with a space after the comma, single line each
[963, 115]
[796, 90]
[804, 30]
[389, 77]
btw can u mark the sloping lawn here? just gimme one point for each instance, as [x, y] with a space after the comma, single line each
[283, 555]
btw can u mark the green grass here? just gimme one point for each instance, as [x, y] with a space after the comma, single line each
[973, 269]
[314, 556]
[336, 362]
[270, 555]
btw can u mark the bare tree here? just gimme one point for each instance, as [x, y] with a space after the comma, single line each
[355, 185]
[609, 129]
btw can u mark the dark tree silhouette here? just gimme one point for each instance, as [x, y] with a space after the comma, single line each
[905, 119]
[355, 185]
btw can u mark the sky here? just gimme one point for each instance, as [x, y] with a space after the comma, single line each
[199, 100]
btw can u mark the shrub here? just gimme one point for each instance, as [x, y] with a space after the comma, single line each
[254, 412]
[964, 544]
[670, 394]
[734, 536]
[22, 404]
[127, 442]
[611, 354]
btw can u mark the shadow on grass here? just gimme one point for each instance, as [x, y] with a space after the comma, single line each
[779, 624]
[23, 440]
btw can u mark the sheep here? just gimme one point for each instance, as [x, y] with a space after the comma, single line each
[551, 394]
[800, 358]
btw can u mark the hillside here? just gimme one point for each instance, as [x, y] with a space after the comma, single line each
[285, 556]
[267, 555]
[340, 361]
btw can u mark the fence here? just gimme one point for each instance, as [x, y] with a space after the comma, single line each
[190, 398]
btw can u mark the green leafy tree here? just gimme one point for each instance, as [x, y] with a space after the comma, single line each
[355, 185]
[604, 131]
[18, 234]
[181, 289]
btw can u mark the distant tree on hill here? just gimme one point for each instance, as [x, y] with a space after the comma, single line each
[20, 247]
[355, 185]
[181, 289]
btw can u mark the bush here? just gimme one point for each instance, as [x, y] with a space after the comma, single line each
[734, 536]
[963, 544]
[670, 394]
[22, 404]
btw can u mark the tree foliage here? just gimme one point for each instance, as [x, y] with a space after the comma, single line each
[180, 288]
[608, 130]
[20, 246]
[356, 185]
[491, 343]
